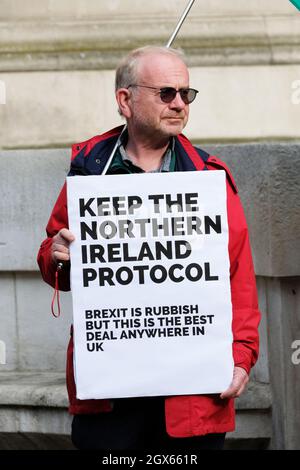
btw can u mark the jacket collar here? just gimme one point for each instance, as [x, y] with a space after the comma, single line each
[91, 156]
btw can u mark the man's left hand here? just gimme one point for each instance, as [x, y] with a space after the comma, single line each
[238, 384]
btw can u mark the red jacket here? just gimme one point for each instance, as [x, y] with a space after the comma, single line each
[185, 415]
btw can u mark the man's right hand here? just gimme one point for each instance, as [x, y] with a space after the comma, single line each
[60, 245]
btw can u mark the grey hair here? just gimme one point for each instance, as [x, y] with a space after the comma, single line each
[126, 72]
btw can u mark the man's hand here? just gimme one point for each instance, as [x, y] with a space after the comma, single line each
[60, 245]
[238, 384]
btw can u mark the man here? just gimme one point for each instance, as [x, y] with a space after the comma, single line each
[153, 95]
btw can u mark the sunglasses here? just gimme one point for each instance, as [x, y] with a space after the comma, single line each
[168, 94]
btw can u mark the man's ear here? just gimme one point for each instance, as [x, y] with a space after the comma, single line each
[123, 97]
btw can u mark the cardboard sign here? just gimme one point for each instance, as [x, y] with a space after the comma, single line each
[150, 284]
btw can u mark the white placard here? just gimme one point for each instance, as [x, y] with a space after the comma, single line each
[150, 284]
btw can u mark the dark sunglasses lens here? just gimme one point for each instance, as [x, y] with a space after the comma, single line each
[187, 94]
[167, 94]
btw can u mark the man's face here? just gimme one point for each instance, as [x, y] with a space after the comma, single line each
[150, 116]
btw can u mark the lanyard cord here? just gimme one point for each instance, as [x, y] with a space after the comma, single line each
[56, 292]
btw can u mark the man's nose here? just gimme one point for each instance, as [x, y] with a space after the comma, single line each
[177, 102]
